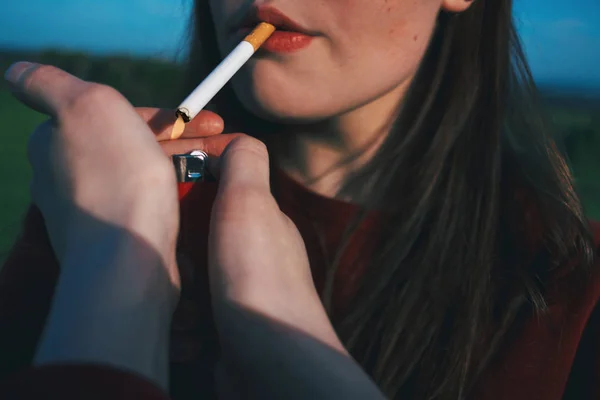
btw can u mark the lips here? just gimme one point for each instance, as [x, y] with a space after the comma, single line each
[289, 36]
[287, 42]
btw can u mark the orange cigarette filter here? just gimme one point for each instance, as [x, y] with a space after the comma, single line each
[259, 35]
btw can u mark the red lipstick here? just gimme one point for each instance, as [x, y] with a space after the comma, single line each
[287, 42]
[289, 36]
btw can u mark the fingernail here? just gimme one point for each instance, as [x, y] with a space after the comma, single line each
[16, 71]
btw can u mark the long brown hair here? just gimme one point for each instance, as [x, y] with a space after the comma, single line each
[457, 270]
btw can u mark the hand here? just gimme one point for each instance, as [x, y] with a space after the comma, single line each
[257, 258]
[96, 145]
[102, 183]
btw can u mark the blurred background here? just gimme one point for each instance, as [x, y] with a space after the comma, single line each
[139, 46]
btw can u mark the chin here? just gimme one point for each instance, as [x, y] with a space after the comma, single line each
[277, 107]
[270, 94]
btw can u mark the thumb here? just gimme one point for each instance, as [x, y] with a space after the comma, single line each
[244, 163]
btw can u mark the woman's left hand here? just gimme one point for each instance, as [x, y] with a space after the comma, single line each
[276, 337]
[257, 257]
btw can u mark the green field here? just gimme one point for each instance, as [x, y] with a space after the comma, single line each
[17, 122]
[157, 83]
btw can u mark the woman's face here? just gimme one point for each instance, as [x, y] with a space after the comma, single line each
[340, 55]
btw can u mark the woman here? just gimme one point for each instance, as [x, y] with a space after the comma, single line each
[442, 229]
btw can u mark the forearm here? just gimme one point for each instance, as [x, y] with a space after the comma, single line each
[112, 306]
[276, 361]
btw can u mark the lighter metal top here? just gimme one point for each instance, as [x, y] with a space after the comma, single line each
[190, 167]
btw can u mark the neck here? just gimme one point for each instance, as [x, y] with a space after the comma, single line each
[320, 156]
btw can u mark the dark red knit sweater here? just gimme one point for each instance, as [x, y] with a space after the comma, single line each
[542, 363]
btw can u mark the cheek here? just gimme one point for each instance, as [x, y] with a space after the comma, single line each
[326, 86]
[369, 52]
[386, 28]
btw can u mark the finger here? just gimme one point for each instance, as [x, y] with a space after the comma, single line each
[161, 122]
[245, 162]
[43, 88]
[212, 145]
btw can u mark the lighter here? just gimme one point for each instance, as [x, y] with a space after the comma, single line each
[189, 168]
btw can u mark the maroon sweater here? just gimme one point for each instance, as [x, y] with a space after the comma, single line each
[545, 361]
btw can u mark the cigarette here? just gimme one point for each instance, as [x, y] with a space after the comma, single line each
[214, 82]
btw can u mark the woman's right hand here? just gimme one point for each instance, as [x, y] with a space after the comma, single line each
[108, 196]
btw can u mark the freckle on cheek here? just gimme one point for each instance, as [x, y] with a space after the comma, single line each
[416, 37]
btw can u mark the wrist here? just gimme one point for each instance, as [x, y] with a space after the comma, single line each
[146, 209]
[274, 360]
[305, 314]
[132, 254]
[112, 305]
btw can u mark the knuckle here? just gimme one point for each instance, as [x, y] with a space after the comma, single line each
[92, 97]
[252, 194]
[40, 73]
[243, 202]
[248, 144]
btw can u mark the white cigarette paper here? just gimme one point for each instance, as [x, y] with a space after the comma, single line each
[219, 77]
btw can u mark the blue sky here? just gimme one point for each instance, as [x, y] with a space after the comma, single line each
[562, 38]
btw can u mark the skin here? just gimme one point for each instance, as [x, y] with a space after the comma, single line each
[364, 58]
[82, 158]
